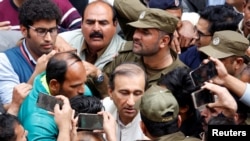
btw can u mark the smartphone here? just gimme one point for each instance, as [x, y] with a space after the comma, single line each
[202, 97]
[48, 102]
[90, 122]
[203, 73]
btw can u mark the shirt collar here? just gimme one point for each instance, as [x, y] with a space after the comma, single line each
[240, 29]
[28, 53]
[85, 49]
[133, 122]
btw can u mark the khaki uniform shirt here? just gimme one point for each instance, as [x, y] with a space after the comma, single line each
[178, 136]
[128, 11]
[126, 55]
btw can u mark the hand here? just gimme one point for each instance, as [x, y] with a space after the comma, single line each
[63, 116]
[184, 36]
[74, 121]
[224, 99]
[61, 45]
[109, 126]
[20, 91]
[175, 45]
[187, 34]
[41, 65]
[42, 62]
[91, 69]
[5, 25]
[63, 119]
[221, 70]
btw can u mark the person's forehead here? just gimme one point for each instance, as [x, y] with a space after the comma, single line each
[138, 80]
[149, 29]
[175, 12]
[19, 130]
[203, 25]
[74, 70]
[98, 10]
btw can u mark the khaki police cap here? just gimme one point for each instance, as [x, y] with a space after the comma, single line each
[159, 105]
[156, 18]
[225, 44]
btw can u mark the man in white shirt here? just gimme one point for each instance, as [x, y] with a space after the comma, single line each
[126, 86]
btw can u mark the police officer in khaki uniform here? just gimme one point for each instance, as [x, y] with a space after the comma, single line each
[151, 45]
[160, 116]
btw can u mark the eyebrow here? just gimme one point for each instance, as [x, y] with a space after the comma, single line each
[91, 20]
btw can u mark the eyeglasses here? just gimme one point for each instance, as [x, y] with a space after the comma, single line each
[43, 31]
[200, 34]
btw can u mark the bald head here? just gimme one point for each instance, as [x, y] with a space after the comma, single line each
[102, 4]
[58, 65]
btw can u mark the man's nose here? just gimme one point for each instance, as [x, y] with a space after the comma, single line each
[131, 101]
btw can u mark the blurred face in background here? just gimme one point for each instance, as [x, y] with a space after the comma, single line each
[203, 34]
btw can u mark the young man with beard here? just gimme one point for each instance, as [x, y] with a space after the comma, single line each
[212, 19]
[229, 47]
[151, 45]
[22, 63]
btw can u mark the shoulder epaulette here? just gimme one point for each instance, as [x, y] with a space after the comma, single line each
[128, 46]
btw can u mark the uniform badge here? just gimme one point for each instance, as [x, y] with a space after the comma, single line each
[216, 41]
[142, 15]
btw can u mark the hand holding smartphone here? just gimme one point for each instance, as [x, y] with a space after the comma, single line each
[48, 102]
[90, 122]
[203, 73]
[202, 97]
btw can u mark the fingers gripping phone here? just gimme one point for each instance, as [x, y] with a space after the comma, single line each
[203, 73]
[202, 97]
[90, 122]
[48, 102]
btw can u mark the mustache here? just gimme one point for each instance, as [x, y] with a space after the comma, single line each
[96, 34]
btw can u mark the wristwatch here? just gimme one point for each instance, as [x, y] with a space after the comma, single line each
[99, 78]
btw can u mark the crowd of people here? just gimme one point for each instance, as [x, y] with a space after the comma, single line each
[127, 61]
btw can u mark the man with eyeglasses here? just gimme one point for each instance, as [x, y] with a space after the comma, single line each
[212, 19]
[22, 63]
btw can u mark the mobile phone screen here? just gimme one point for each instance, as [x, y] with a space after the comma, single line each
[203, 73]
[48, 102]
[202, 97]
[90, 122]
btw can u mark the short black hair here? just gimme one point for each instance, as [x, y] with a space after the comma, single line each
[35, 10]
[221, 17]
[57, 66]
[86, 104]
[179, 82]
[7, 127]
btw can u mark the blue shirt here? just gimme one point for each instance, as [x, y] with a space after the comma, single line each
[192, 57]
[8, 76]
